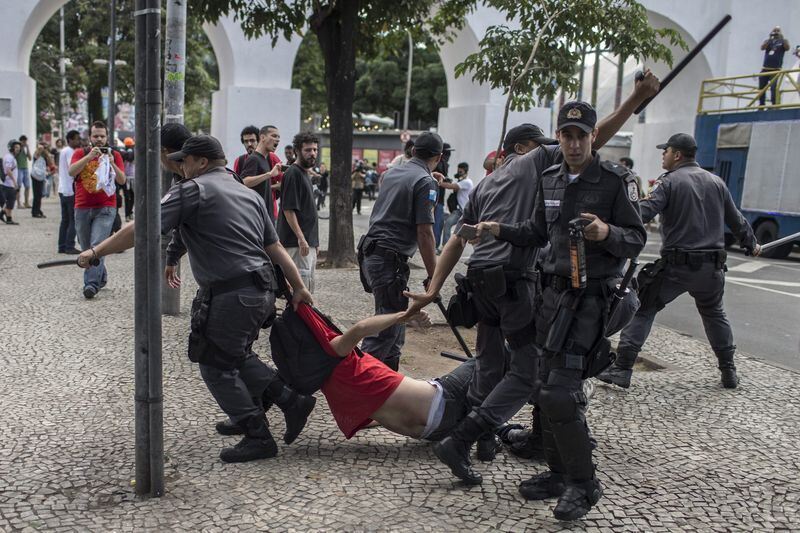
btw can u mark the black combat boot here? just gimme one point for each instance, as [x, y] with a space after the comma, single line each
[620, 372]
[542, 486]
[727, 369]
[528, 444]
[577, 499]
[454, 449]
[256, 444]
[296, 407]
[488, 446]
[227, 427]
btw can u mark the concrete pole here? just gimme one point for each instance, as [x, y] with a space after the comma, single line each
[174, 88]
[147, 261]
[595, 77]
[408, 79]
[620, 78]
[62, 69]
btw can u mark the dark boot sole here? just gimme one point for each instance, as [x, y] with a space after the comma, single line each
[535, 494]
[288, 437]
[455, 469]
[579, 511]
[267, 453]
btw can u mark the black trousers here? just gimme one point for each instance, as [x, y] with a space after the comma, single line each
[763, 80]
[38, 191]
[357, 194]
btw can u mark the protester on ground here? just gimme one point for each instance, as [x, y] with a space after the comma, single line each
[10, 174]
[232, 260]
[66, 195]
[97, 172]
[297, 222]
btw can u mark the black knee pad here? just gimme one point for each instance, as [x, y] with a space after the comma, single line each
[558, 403]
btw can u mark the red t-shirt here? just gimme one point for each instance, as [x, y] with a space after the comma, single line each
[275, 160]
[86, 194]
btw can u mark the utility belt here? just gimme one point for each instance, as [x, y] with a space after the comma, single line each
[594, 287]
[593, 363]
[368, 246]
[263, 278]
[695, 258]
[497, 281]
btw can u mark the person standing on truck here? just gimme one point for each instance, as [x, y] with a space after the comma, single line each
[695, 205]
[774, 47]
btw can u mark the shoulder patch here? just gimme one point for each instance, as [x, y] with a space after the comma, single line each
[633, 191]
[165, 198]
[432, 195]
[655, 186]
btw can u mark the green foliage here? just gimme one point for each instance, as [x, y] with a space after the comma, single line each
[86, 28]
[564, 29]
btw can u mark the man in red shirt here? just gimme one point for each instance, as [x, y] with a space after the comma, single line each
[96, 171]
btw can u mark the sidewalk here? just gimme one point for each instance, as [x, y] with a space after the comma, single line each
[676, 452]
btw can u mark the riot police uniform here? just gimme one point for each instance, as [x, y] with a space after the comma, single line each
[225, 228]
[608, 191]
[695, 206]
[406, 200]
[501, 287]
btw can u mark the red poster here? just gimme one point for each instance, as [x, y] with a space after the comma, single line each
[384, 158]
[358, 154]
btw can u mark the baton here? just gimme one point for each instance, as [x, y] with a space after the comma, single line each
[459, 338]
[454, 356]
[783, 240]
[65, 262]
[685, 61]
[619, 294]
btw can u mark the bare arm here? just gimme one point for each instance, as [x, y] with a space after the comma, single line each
[120, 241]
[611, 124]
[252, 181]
[444, 266]
[427, 247]
[120, 174]
[345, 343]
[76, 167]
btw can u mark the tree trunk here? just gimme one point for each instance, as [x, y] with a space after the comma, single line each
[336, 33]
[94, 104]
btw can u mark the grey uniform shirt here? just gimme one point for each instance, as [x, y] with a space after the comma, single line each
[223, 225]
[508, 195]
[694, 205]
[407, 198]
[604, 189]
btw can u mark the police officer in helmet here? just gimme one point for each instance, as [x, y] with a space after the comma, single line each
[592, 202]
[232, 245]
[695, 206]
[401, 222]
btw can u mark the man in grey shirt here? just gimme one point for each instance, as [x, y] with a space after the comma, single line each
[231, 259]
[695, 205]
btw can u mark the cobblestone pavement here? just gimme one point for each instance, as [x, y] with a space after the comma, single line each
[676, 452]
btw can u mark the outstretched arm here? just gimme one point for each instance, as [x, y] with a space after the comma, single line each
[345, 343]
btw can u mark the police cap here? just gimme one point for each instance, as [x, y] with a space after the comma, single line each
[579, 114]
[428, 145]
[682, 142]
[199, 146]
[525, 132]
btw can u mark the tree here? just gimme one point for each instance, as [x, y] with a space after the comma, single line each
[344, 29]
[539, 57]
[86, 26]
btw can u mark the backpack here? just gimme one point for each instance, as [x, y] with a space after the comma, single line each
[452, 202]
[298, 356]
[39, 169]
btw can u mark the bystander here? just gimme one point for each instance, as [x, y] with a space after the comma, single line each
[66, 195]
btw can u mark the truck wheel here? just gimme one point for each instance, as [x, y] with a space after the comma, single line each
[767, 232]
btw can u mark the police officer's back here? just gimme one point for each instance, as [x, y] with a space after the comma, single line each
[694, 207]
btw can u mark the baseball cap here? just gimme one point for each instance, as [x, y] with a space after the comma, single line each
[525, 132]
[579, 114]
[680, 141]
[428, 145]
[200, 146]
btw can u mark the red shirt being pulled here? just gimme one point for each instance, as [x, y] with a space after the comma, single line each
[86, 194]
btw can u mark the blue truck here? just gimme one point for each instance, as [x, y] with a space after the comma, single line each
[757, 153]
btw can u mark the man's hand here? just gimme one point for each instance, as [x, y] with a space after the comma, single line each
[301, 295]
[171, 275]
[418, 302]
[95, 152]
[275, 172]
[420, 320]
[755, 252]
[647, 87]
[85, 258]
[484, 228]
[597, 230]
[303, 245]
[438, 176]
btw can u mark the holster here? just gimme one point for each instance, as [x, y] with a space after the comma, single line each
[599, 358]
[491, 282]
[365, 247]
[200, 349]
[649, 279]
[559, 329]
[461, 310]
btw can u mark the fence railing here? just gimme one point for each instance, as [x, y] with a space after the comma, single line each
[746, 92]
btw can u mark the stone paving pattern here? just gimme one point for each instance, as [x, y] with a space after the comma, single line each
[676, 452]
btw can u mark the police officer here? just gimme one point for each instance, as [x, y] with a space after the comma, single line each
[401, 221]
[232, 245]
[603, 195]
[695, 206]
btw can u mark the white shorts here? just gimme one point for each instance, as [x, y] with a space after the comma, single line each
[306, 265]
